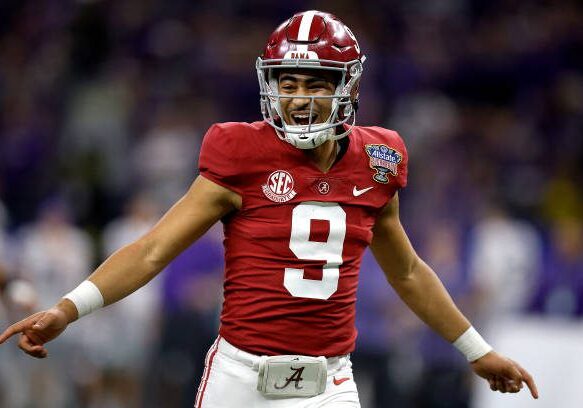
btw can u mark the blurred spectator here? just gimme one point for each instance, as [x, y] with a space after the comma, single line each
[54, 255]
[116, 357]
[141, 212]
[3, 245]
[16, 295]
[11, 377]
[164, 161]
[192, 301]
[504, 265]
[26, 151]
[94, 143]
[387, 336]
[560, 291]
[18, 298]
[445, 381]
[428, 119]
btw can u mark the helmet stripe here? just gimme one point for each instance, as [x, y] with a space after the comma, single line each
[306, 25]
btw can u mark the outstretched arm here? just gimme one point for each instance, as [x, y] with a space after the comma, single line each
[136, 264]
[420, 288]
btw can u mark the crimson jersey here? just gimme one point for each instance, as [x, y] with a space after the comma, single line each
[293, 250]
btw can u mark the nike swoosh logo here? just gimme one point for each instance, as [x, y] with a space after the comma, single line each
[356, 192]
[340, 380]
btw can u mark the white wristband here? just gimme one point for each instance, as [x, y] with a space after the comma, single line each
[472, 345]
[86, 297]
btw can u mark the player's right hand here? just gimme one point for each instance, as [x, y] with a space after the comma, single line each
[36, 330]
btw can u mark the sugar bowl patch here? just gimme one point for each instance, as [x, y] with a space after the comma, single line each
[384, 160]
[279, 187]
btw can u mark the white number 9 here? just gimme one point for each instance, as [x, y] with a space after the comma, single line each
[329, 251]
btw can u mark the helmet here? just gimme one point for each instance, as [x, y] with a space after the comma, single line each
[315, 40]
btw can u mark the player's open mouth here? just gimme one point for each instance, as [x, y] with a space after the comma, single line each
[303, 118]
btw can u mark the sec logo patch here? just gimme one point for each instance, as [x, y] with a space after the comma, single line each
[279, 187]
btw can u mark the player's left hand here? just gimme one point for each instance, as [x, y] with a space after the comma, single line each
[503, 374]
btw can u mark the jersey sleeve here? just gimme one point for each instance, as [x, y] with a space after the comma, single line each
[218, 158]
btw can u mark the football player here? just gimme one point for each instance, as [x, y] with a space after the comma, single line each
[301, 195]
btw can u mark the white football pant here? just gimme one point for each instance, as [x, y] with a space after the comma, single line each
[230, 381]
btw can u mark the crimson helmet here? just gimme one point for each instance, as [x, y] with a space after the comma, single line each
[315, 40]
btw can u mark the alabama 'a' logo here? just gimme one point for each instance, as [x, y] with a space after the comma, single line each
[384, 160]
[296, 378]
[279, 187]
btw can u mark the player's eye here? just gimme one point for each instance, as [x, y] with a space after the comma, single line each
[319, 86]
[287, 87]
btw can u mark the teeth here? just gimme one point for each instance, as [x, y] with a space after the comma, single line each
[303, 119]
[303, 116]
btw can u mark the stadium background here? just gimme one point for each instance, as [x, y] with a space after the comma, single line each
[103, 105]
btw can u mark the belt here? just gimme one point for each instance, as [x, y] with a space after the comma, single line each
[252, 360]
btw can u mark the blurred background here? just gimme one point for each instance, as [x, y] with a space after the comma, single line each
[103, 105]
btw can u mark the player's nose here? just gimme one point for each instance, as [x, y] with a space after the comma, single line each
[299, 102]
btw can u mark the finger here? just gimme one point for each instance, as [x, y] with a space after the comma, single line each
[500, 385]
[511, 372]
[30, 348]
[26, 345]
[33, 337]
[40, 353]
[527, 378]
[512, 386]
[492, 385]
[18, 327]
[37, 351]
[11, 331]
[513, 376]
